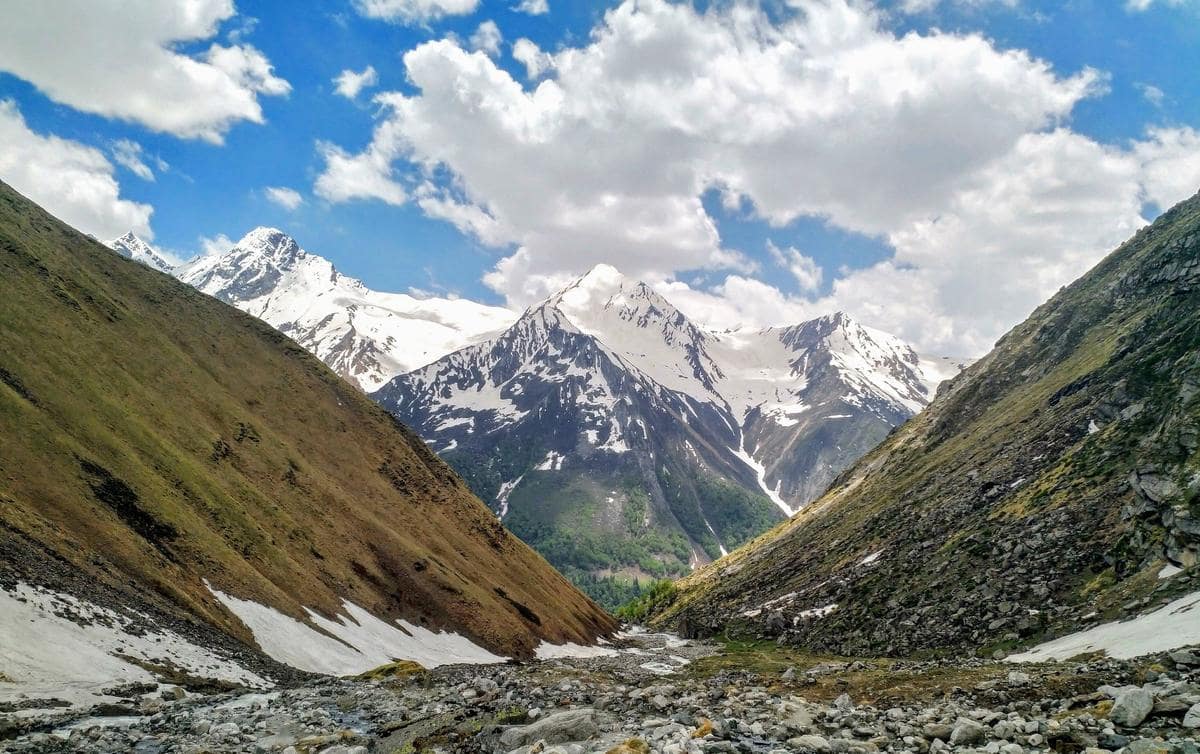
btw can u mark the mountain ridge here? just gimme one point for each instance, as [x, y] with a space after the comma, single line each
[605, 413]
[1050, 486]
[366, 336]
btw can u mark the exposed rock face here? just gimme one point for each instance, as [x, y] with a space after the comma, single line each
[1025, 498]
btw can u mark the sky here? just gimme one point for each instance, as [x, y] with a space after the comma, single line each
[935, 168]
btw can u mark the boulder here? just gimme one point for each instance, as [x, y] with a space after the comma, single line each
[1131, 707]
[572, 725]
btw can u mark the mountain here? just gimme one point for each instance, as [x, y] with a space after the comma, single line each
[132, 247]
[184, 486]
[621, 440]
[1053, 485]
[365, 336]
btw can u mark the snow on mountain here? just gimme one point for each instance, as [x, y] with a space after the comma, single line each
[366, 336]
[132, 247]
[613, 383]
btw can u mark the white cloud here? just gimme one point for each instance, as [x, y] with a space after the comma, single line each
[1137, 6]
[533, 7]
[414, 11]
[487, 38]
[528, 54]
[367, 175]
[1169, 160]
[218, 244]
[1152, 94]
[285, 197]
[804, 269]
[123, 60]
[947, 147]
[72, 181]
[128, 154]
[349, 83]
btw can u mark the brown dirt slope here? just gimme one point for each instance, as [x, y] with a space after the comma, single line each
[151, 437]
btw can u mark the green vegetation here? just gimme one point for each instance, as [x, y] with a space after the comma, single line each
[655, 598]
[598, 539]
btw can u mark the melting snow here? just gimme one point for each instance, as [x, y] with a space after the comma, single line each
[48, 655]
[760, 473]
[362, 641]
[870, 558]
[506, 489]
[1169, 570]
[1176, 624]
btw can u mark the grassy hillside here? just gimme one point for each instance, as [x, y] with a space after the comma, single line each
[152, 437]
[1046, 487]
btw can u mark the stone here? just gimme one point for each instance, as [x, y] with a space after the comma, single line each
[572, 725]
[967, 732]
[1131, 707]
[1191, 718]
[810, 743]
[225, 730]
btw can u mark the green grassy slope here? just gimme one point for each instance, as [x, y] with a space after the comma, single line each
[151, 436]
[1045, 487]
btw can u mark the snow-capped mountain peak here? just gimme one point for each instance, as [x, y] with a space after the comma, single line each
[132, 247]
[366, 336]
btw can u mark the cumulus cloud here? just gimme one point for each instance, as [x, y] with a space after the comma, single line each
[349, 83]
[528, 54]
[487, 38]
[414, 11]
[123, 60]
[533, 7]
[72, 181]
[218, 244]
[939, 143]
[285, 197]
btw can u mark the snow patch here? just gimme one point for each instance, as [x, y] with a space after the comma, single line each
[506, 489]
[760, 473]
[48, 655]
[1173, 625]
[1169, 570]
[354, 643]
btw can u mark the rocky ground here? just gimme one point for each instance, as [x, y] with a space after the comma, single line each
[656, 693]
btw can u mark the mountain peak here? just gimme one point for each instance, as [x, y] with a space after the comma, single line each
[132, 247]
[271, 243]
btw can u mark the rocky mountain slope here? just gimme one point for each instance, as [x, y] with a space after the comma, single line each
[1054, 484]
[366, 336]
[622, 440]
[181, 486]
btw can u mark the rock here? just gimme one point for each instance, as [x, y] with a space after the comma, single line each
[1017, 678]
[573, 725]
[172, 693]
[967, 732]
[1149, 746]
[1131, 707]
[810, 743]
[938, 731]
[225, 730]
[1192, 718]
[789, 674]
[1184, 657]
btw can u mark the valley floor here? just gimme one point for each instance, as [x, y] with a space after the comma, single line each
[657, 693]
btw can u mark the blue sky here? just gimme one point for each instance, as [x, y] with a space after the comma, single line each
[1146, 64]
